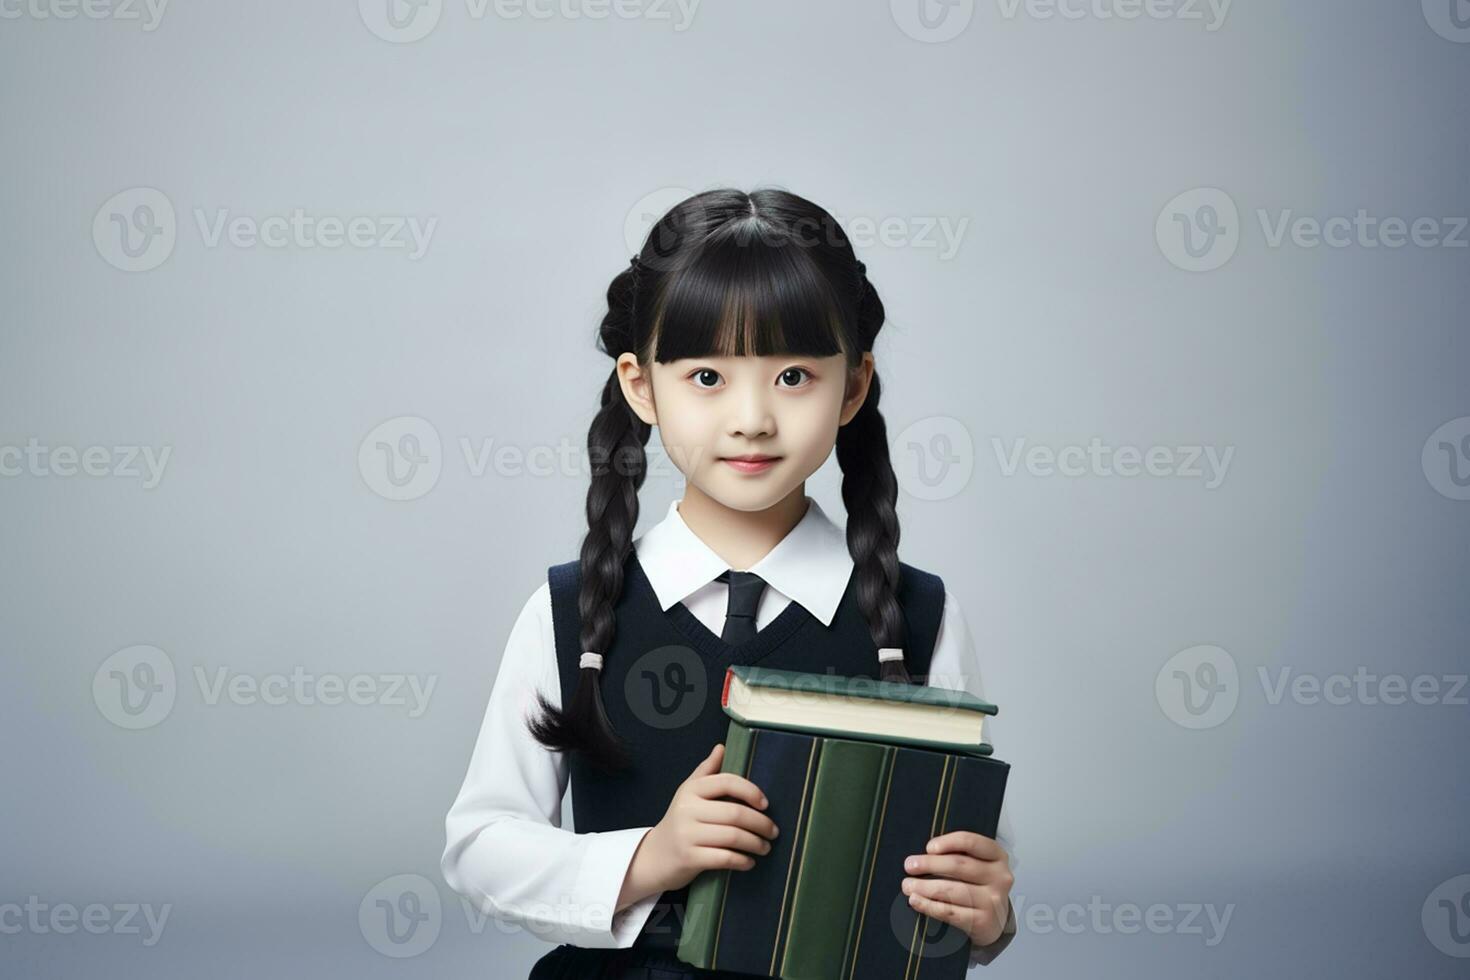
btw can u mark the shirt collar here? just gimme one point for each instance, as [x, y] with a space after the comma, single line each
[810, 565]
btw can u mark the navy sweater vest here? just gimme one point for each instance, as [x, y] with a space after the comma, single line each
[661, 684]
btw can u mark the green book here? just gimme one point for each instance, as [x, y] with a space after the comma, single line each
[857, 708]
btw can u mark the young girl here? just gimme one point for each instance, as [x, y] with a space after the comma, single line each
[743, 330]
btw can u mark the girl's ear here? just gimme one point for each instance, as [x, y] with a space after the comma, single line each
[637, 386]
[858, 381]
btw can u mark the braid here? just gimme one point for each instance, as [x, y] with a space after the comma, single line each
[615, 444]
[870, 493]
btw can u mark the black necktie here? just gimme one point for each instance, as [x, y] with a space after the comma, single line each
[745, 596]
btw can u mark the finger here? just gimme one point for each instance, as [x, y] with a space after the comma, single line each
[944, 890]
[730, 838]
[719, 857]
[960, 867]
[729, 784]
[967, 842]
[711, 763]
[968, 919]
[737, 814]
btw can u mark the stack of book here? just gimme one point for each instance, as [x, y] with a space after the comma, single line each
[859, 774]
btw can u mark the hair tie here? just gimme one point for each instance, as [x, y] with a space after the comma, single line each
[889, 653]
[593, 660]
[635, 264]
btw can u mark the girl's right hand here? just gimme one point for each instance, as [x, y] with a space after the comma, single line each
[701, 831]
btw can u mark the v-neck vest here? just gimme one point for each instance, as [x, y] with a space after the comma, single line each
[662, 680]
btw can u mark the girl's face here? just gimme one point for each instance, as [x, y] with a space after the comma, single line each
[783, 409]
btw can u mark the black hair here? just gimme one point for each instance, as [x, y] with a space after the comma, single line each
[729, 273]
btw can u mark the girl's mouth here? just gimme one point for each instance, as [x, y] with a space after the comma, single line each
[751, 462]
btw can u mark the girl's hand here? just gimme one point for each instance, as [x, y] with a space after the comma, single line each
[973, 887]
[700, 831]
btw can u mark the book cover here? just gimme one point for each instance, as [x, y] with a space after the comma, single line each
[826, 902]
[942, 793]
[842, 827]
[743, 928]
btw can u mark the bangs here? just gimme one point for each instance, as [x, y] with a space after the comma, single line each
[738, 298]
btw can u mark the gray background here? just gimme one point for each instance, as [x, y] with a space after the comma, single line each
[1059, 318]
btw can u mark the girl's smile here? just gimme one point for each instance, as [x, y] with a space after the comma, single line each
[751, 462]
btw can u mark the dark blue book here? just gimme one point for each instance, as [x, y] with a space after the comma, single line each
[826, 902]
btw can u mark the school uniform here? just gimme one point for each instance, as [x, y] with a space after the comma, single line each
[506, 850]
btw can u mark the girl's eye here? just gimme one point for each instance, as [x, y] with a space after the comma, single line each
[705, 374]
[795, 375]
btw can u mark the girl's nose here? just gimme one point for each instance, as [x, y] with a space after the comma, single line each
[752, 415]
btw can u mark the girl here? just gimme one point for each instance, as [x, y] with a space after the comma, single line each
[743, 330]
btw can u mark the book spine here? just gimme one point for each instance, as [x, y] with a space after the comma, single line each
[827, 885]
[706, 897]
[866, 866]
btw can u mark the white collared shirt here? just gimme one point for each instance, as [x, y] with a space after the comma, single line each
[506, 850]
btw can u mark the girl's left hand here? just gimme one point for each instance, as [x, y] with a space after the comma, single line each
[974, 887]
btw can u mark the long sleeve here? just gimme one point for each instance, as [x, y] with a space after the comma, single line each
[505, 850]
[956, 666]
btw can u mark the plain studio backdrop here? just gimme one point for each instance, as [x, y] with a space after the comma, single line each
[1175, 374]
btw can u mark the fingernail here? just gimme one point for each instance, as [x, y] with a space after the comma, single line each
[911, 863]
[764, 801]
